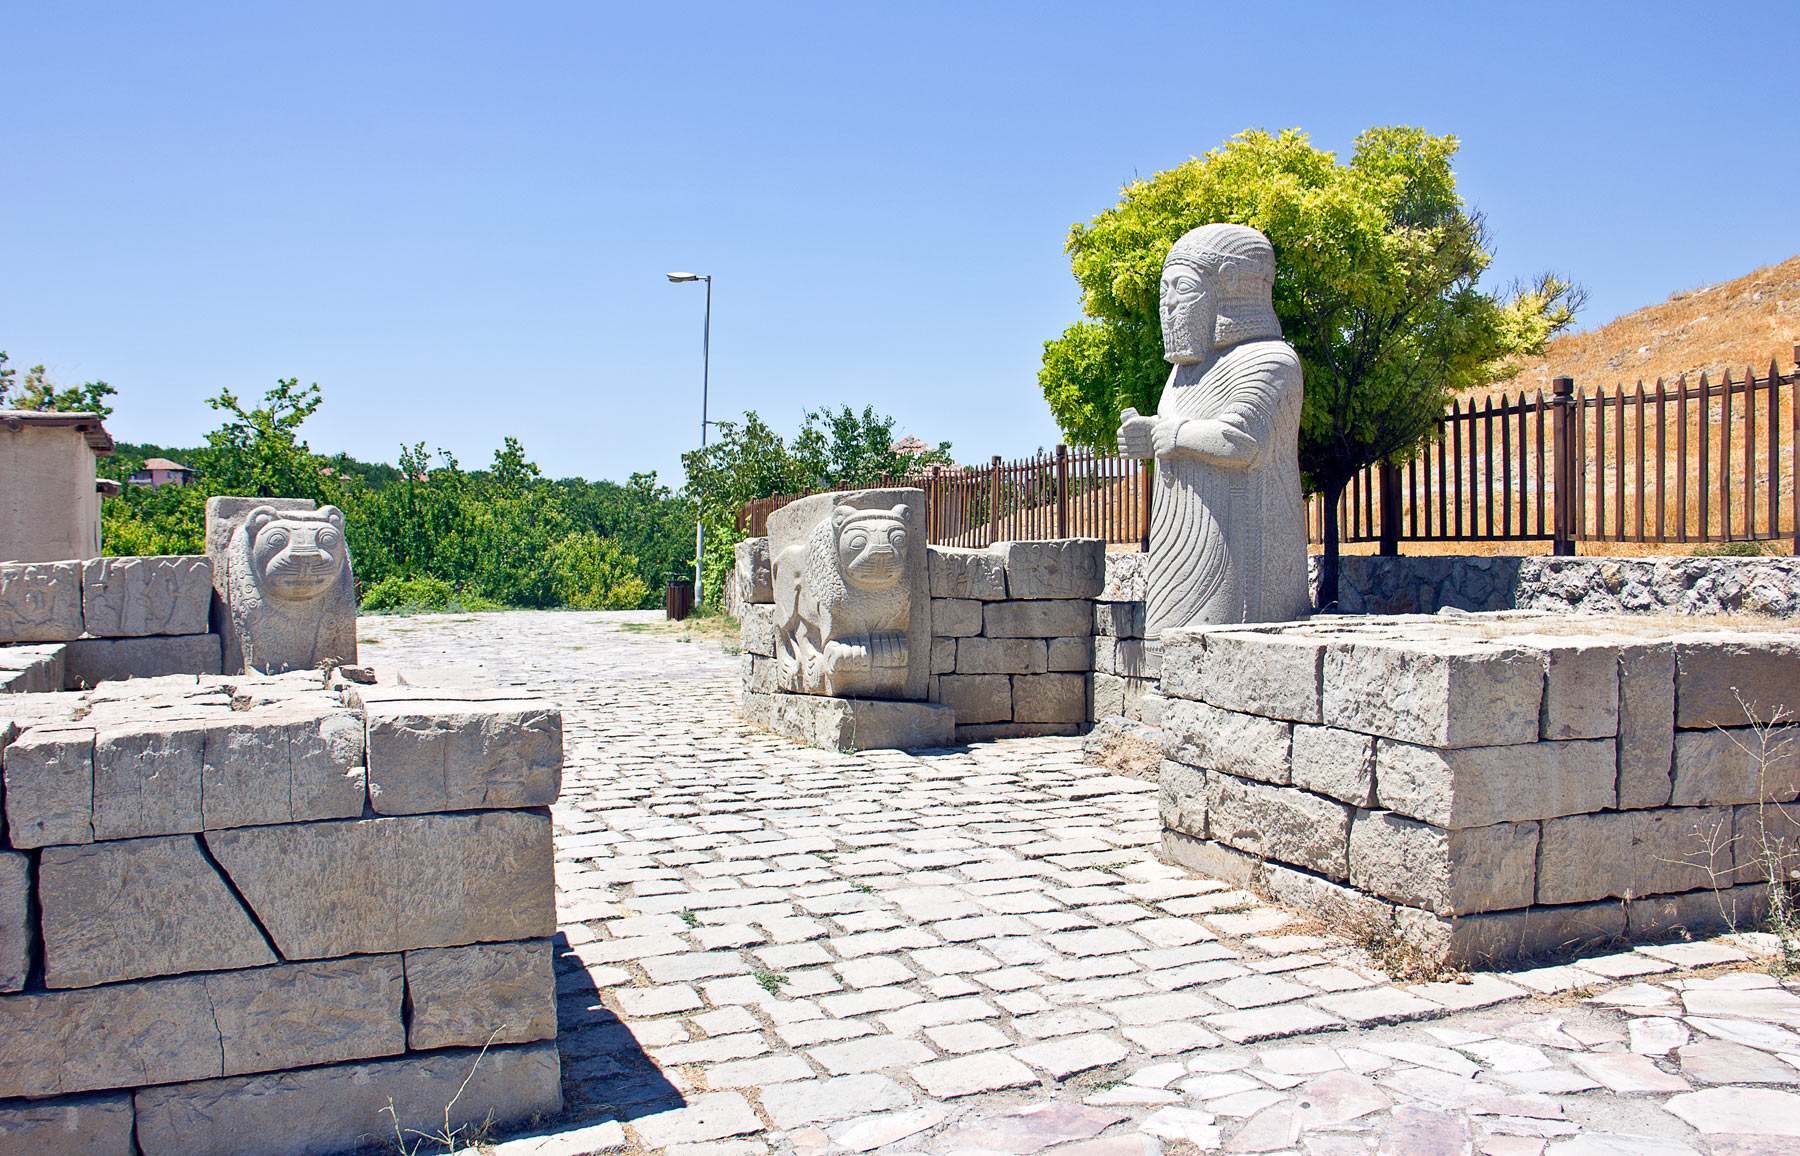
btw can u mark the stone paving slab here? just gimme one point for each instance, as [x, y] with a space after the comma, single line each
[768, 949]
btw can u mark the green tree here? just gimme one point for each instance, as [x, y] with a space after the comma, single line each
[1377, 264]
[594, 573]
[259, 453]
[36, 392]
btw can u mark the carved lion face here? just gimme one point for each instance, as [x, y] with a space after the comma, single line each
[296, 556]
[871, 546]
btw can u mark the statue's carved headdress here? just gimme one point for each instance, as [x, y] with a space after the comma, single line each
[1244, 306]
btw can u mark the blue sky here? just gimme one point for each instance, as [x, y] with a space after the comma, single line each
[456, 217]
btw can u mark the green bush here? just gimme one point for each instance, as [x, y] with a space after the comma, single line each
[1733, 550]
[420, 595]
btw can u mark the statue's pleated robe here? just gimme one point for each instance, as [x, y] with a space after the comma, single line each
[1228, 538]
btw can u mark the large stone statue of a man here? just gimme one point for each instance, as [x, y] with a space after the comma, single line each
[1228, 526]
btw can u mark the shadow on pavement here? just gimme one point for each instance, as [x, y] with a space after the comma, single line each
[605, 1070]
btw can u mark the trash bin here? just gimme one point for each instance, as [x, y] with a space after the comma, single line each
[678, 599]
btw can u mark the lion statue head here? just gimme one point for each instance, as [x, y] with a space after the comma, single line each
[871, 546]
[298, 555]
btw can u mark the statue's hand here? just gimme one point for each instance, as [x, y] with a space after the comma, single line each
[887, 650]
[1136, 435]
[848, 654]
[1166, 437]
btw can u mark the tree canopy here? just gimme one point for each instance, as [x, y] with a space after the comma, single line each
[1377, 264]
[36, 392]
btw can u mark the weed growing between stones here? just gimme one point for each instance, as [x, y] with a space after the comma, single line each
[1406, 957]
[770, 981]
[447, 1137]
[688, 917]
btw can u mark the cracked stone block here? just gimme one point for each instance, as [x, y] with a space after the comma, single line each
[394, 883]
[135, 908]
[757, 709]
[1062, 568]
[92, 661]
[1736, 765]
[1119, 619]
[116, 1036]
[1646, 724]
[94, 1125]
[1481, 786]
[1128, 657]
[147, 778]
[1049, 698]
[1001, 655]
[486, 992]
[462, 756]
[1446, 872]
[40, 601]
[49, 775]
[1246, 745]
[1581, 686]
[943, 656]
[1731, 680]
[1256, 672]
[1181, 798]
[1498, 939]
[309, 1013]
[1048, 618]
[955, 617]
[1127, 576]
[960, 573]
[139, 596]
[860, 724]
[16, 927]
[338, 1108]
[1765, 837]
[1626, 854]
[1279, 823]
[977, 698]
[1436, 693]
[1334, 762]
[1121, 696]
[1696, 914]
[757, 630]
[283, 762]
[756, 578]
[33, 669]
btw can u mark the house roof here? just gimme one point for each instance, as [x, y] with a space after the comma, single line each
[88, 423]
[164, 464]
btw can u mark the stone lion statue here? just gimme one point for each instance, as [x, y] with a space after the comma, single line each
[842, 606]
[290, 600]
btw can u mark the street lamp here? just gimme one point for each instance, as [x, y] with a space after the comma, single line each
[705, 383]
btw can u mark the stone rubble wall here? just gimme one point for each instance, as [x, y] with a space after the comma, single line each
[237, 915]
[1497, 787]
[131, 617]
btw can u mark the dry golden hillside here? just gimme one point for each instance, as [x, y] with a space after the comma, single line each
[1726, 326]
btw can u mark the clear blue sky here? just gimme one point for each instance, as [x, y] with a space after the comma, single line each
[456, 217]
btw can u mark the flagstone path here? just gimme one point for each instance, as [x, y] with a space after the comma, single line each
[771, 949]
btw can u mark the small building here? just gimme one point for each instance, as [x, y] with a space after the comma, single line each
[161, 472]
[49, 495]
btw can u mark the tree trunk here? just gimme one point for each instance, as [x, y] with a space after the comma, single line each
[1328, 565]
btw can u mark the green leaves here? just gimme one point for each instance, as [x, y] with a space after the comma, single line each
[37, 393]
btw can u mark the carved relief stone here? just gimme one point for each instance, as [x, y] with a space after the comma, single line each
[1228, 528]
[287, 598]
[852, 607]
[40, 601]
[138, 597]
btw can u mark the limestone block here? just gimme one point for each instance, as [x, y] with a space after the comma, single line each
[1446, 872]
[1438, 693]
[1149, 707]
[760, 674]
[960, 573]
[1279, 823]
[49, 774]
[40, 601]
[1646, 724]
[1499, 939]
[1049, 698]
[16, 926]
[344, 1107]
[1730, 680]
[1581, 686]
[97, 1125]
[955, 617]
[451, 756]
[757, 709]
[134, 908]
[1696, 914]
[852, 603]
[394, 883]
[147, 778]
[757, 631]
[93, 661]
[1334, 762]
[309, 1013]
[943, 656]
[1000, 656]
[1765, 836]
[464, 997]
[756, 579]
[287, 588]
[1127, 577]
[1266, 673]
[117, 1036]
[1481, 786]
[987, 732]
[1736, 765]
[1046, 618]
[977, 698]
[1631, 853]
[1115, 695]
[1245, 745]
[860, 724]
[1059, 568]
[1066, 654]
[135, 597]
[290, 761]
[1119, 619]
[1181, 798]
[1127, 657]
[33, 669]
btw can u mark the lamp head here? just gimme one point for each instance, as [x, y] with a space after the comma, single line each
[679, 277]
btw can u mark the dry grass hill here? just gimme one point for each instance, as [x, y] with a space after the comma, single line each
[1732, 325]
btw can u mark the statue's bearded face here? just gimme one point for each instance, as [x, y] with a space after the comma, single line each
[1190, 314]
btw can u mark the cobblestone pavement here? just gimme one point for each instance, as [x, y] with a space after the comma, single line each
[771, 949]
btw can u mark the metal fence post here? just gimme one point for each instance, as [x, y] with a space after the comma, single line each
[1562, 476]
[1145, 477]
[994, 501]
[1390, 510]
[1062, 490]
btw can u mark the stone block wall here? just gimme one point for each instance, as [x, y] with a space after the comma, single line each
[240, 914]
[133, 617]
[1499, 787]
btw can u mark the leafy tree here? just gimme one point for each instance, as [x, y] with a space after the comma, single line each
[37, 393]
[260, 454]
[1377, 262]
[842, 448]
[594, 573]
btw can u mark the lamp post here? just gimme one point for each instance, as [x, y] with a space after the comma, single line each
[705, 383]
